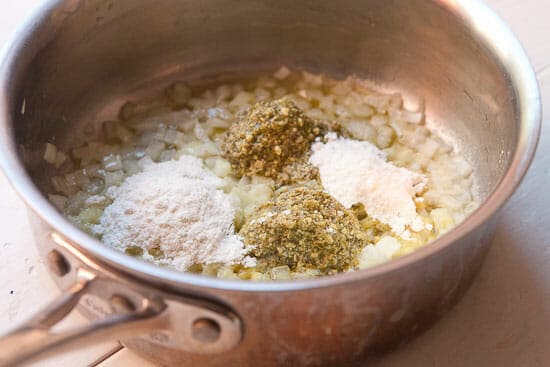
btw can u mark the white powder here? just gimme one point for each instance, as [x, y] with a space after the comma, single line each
[357, 172]
[177, 206]
[95, 200]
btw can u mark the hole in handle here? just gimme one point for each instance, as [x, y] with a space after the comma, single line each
[206, 330]
[58, 264]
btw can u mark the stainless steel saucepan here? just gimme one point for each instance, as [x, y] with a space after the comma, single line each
[76, 60]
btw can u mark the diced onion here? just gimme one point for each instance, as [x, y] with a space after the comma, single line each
[280, 273]
[112, 163]
[50, 153]
[442, 220]
[58, 201]
[114, 178]
[154, 150]
[60, 158]
[282, 73]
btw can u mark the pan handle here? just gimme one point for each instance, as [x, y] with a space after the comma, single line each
[35, 339]
[184, 322]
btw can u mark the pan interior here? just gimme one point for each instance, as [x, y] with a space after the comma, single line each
[85, 61]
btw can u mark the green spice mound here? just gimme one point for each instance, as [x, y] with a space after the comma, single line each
[269, 136]
[305, 228]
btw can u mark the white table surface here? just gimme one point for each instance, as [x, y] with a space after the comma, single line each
[504, 319]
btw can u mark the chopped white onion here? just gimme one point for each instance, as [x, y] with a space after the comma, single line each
[50, 153]
[282, 73]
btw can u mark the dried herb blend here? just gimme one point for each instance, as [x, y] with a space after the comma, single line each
[305, 228]
[271, 135]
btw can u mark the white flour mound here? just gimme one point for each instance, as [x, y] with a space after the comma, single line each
[357, 172]
[178, 207]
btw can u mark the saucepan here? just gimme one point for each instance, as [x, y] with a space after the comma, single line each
[74, 61]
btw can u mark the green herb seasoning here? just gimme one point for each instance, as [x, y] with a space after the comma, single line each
[134, 251]
[156, 252]
[359, 211]
[271, 135]
[299, 171]
[305, 228]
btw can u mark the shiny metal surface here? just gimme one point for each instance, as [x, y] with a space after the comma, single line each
[35, 338]
[78, 60]
[120, 308]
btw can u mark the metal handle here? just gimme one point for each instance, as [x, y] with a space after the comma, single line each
[35, 338]
[121, 309]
